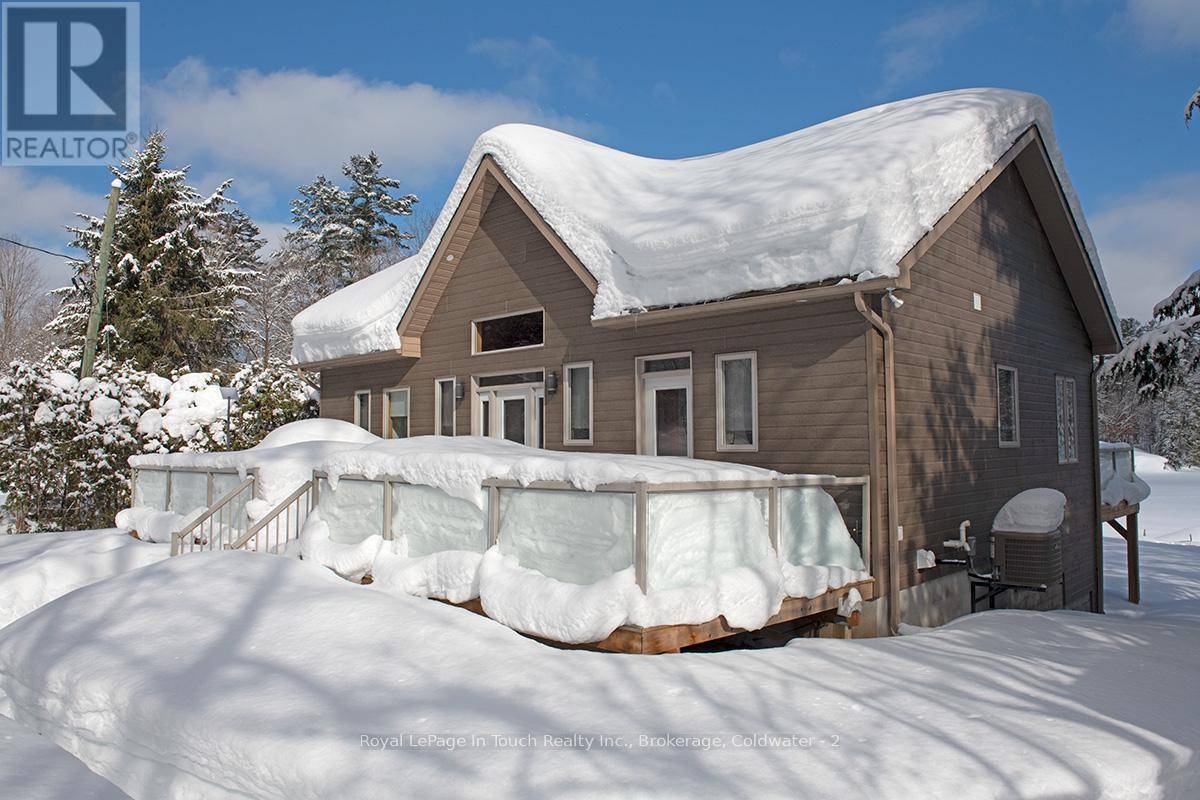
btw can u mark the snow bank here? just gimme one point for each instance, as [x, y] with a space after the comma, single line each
[152, 525]
[843, 199]
[33, 768]
[269, 692]
[458, 465]
[285, 459]
[37, 568]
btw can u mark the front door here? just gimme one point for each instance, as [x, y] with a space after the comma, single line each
[515, 414]
[666, 420]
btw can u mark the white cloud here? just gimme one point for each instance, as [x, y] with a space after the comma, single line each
[1170, 22]
[539, 67]
[1149, 241]
[35, 210]
[913, 47]
[285, 127]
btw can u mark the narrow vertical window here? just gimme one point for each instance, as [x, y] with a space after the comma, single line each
[362, 409]
[1068, 444]
[396, 416]
[577, 403]
[444, 406]
[1008, 417]
[737, 401]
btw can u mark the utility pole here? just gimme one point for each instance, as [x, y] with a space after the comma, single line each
[93, 328]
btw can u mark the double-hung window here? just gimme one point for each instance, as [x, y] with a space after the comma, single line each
[737, 401]
[577, 403]
[395, 422]
[1008, 415]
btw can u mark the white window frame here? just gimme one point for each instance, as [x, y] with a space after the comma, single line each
[475, 351]
[1016, 394]
[1068, 448]
[639, 374]
[358, 420]
[437, 405]
[387, 410]
[566, 393]
[490, 394]
[721, 358]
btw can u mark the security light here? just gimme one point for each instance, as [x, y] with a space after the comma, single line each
[895, 301]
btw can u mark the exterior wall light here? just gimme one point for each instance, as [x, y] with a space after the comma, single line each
[552, 383]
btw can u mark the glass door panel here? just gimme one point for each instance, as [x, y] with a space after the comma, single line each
[671, 422]
[514, 411]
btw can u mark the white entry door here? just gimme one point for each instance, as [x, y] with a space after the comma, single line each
[513, 414]
[667, 415]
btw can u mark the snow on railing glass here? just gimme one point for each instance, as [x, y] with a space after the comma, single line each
[674, 535]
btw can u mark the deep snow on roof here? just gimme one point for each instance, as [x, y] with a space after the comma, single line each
[843, 199]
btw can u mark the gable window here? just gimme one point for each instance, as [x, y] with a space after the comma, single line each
[1008, 417]
[395, 422]
[443, 406]
[737, 401]
[1068, 443]
[508, 332]
[362, 409]
[577, 403]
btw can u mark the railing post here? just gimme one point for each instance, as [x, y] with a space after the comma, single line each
[387, 510]
[167, 503]
[641, 538]
[773, 515]
[174, 544]
[316, 491]
[208, 488]
[493, 516]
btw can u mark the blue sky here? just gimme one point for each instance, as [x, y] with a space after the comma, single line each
[271, 93]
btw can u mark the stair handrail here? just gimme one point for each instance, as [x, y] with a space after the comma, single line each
[178, 537]
[261, 523]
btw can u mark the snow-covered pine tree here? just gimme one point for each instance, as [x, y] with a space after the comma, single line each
[269, 395]
[345, 230]
[167, 300]
[1167, 351]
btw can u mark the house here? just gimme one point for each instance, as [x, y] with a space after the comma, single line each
[909, 292]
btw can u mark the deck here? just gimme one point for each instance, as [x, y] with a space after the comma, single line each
[671, 638]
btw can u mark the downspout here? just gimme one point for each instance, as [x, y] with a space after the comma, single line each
[889, 400]
[1098, 532]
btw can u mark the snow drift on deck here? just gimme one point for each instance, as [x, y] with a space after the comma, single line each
[843, 199]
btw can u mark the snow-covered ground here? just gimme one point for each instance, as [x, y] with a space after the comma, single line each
[234, 675]
[1172, 513]
[36, 568]
[34, 768]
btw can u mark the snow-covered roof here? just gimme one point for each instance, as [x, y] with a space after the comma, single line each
[847, 198]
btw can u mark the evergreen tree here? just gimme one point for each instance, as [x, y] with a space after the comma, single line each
[1163, 354]
[345, 230]
[168, 301]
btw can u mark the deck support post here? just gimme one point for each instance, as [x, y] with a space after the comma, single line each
[641, 539]
[1129, 532]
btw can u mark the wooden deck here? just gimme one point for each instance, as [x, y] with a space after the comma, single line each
[670, 638]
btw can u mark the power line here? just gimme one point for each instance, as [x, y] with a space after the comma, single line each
[39, 249]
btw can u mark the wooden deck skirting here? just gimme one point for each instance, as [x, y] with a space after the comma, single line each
[670, 638]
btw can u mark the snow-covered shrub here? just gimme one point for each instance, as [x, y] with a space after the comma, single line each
[65, 442]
